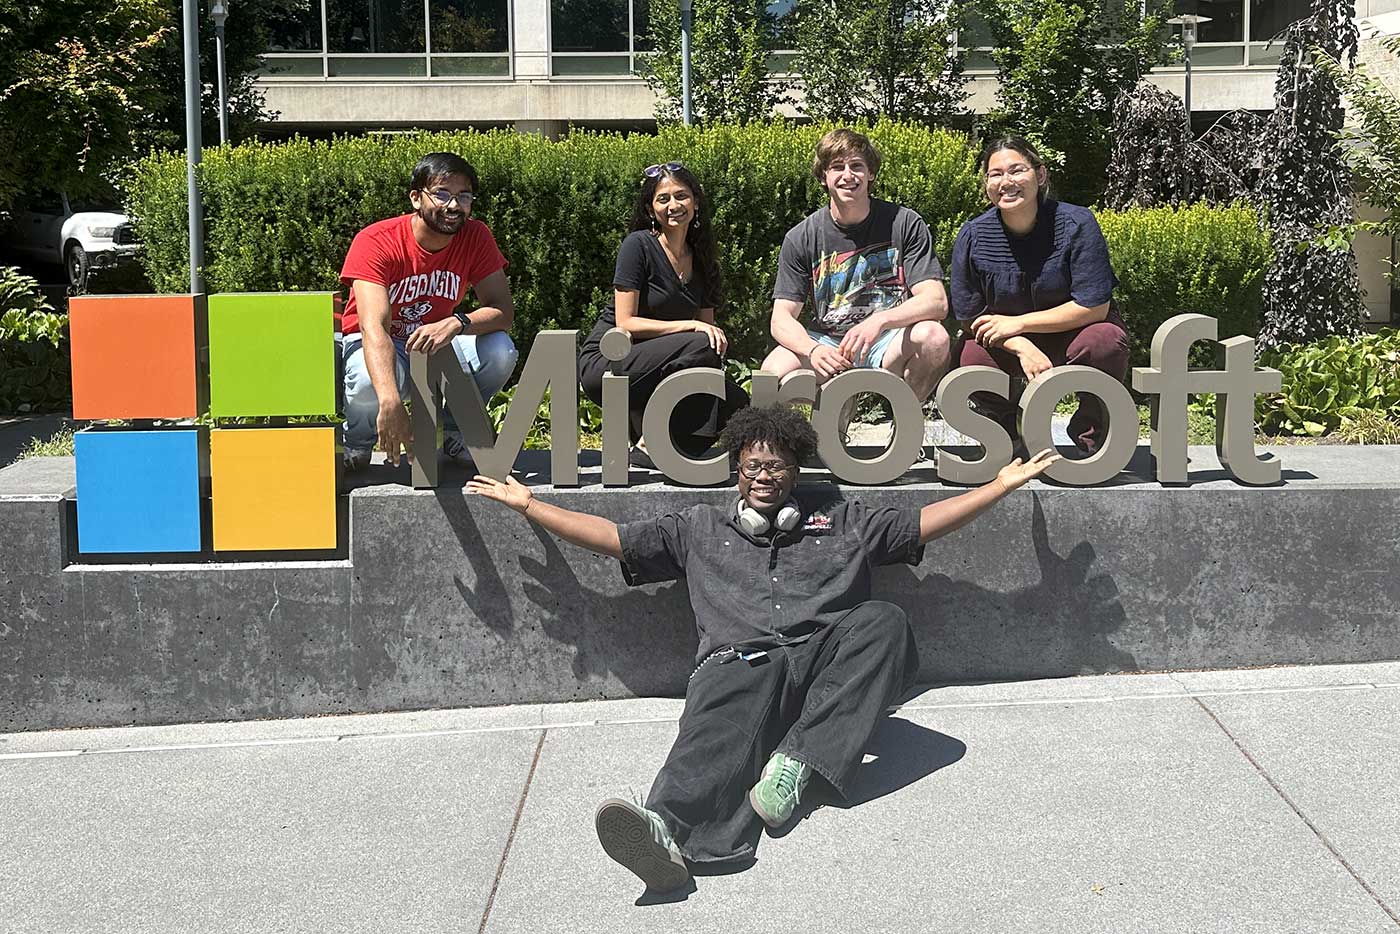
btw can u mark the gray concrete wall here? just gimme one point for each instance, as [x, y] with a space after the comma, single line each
[446, 600]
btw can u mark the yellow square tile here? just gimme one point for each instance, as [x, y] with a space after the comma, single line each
[273, 489]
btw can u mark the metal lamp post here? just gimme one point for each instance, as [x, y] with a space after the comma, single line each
[193, 142]
[218, 12]
[1188, 23]
[687, 20]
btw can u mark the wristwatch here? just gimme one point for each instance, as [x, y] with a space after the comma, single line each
[463, 320]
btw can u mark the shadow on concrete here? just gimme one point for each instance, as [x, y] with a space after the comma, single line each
[1061, 625]
[904, 753]
[630, 637]
[16, 433]
[489, 599]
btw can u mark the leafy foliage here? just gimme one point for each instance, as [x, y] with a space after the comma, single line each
[557, 209]
[34, 369]
[729, 80]
[1061, 64]
[1196, 259]
[78, 83]
[891, 58]
[1329, 384]
[1286, 164]
[1370, 142]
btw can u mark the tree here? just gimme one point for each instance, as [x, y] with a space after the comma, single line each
[1061, 64]
[1312, 289]
[730, 80]
[78, 88]
[891, 58]
[1370, 141]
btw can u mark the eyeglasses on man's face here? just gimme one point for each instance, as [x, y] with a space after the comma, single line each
[443, 197]
[652, 171]
[775, 469]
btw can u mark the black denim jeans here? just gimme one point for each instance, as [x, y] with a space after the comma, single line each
[817, 701]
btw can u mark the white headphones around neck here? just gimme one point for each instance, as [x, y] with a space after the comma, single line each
[756, 523]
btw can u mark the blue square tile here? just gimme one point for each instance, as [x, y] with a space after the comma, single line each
[138, 491]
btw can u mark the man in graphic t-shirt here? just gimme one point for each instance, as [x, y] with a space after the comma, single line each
[408, 277]
[869, 270]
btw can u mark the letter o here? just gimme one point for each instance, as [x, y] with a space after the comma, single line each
[906, 444]
[1038, 404]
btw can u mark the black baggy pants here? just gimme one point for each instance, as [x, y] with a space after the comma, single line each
[817, 701]
[696, 422]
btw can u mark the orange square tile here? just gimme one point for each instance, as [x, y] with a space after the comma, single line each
[135, 356]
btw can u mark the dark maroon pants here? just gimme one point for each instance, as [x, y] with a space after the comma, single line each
[1102, 345]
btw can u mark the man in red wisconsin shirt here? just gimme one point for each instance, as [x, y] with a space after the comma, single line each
[407, 277]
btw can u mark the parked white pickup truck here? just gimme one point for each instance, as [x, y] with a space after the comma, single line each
[78, 235]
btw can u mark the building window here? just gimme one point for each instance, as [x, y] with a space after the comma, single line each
[591, 37]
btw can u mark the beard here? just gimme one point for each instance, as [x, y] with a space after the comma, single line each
[437, 221]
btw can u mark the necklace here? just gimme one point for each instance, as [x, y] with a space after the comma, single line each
[682, 276]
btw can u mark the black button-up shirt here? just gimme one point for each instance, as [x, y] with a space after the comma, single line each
[771, 589]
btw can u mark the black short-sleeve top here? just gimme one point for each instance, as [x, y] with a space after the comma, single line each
[770, 590]
[1063, 258]
[644, 268]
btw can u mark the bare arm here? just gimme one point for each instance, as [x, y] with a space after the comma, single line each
[929, 302]
[625, 305]
[595, 533]
[392, 425]
[949, 515]
[996, 330]
[497, 311]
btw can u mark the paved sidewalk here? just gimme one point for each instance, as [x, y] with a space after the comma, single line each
[1264, 800]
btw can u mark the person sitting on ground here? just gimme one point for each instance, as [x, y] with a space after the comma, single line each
[666, 288]
[797, 664]
[408, 277]
[1033, 278]
[869, 269]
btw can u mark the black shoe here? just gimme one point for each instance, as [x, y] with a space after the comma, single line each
[640, 458]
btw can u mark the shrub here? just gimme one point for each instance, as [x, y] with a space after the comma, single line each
[1200, 259]
[281, 216]
[34, 367]
[1333, 383]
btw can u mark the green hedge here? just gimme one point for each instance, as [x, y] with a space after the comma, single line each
[34, 370]
[281, 216]
[1199, 259]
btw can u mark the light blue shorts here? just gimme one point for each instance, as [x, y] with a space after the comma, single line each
[874, 356]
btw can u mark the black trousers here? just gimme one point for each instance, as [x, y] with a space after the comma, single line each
[697, 420]
[817, 701]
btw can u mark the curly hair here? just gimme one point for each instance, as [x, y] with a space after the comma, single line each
[778, 426]
[700, 236]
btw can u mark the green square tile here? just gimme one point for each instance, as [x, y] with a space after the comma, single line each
[272, 353]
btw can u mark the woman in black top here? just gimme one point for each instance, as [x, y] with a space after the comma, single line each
[665, 291]
[1033, 286]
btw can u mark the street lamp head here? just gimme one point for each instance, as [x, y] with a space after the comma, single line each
[218, 12]
[686, 5]
[1188, 23]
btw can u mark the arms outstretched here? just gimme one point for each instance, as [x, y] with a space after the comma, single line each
[595, 533]
[948, 515]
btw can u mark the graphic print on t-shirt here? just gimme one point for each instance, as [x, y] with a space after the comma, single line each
[849, 287]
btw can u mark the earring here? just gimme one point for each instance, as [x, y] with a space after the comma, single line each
[695, 222]
[654, 224]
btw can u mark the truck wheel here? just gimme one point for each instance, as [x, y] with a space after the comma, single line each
[75, 259]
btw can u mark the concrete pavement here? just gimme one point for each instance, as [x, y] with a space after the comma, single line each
[1261, 800]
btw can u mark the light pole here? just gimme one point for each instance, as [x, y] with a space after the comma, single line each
[218, 12]
[687, 20]
[193, 143]
[1188, 23]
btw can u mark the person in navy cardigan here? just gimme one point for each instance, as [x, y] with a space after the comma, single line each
[1032, 283]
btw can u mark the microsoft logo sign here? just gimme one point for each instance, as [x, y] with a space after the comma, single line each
[144, 487]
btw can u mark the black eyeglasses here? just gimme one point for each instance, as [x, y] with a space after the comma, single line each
[776, 469]
[652, 171]
[444, 197]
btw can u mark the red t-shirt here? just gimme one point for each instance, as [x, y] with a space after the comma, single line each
[423, 287]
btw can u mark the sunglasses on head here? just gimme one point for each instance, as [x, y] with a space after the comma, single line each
[652, 171]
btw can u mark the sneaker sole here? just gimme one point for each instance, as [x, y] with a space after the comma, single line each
[759, 810]
[626, 838]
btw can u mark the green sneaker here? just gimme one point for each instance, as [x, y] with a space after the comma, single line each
[638, 839]
[779, 789]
